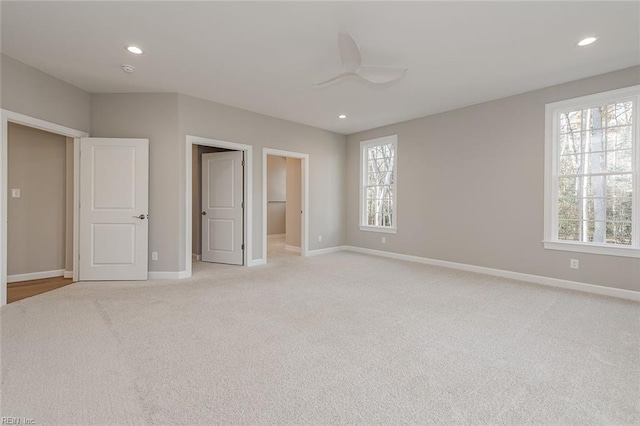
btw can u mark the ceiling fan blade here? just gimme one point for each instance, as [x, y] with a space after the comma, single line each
[380, 75]
[349, 52]
[336, 79]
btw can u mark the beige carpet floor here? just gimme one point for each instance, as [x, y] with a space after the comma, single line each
[342, 338]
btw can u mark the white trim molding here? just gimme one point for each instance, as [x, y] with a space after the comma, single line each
[257, 262]
[7, 117]
[327, 250]
[36, 123]
[384, 230]
[195, 257]
[248, 195]
[68, 274]
[593, 248]
[535, 279]
[304, 242]
[294, 249]
[162, 275]
[36, 276]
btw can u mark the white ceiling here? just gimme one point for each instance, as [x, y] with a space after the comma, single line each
[265, 56]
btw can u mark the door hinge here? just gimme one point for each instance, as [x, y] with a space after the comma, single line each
[242, 204]
[242, 247]
[242, 163]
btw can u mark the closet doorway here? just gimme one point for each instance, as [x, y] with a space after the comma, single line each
[218, 203]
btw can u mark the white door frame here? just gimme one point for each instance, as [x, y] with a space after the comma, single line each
[304, 243]
[36, 123]
[248, 196]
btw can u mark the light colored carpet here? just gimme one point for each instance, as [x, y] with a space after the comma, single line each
[339, 338]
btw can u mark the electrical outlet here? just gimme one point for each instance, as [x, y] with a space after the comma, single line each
[319, 238]
[575, 264]
[15, 193]
[154, 255]
[383, 240]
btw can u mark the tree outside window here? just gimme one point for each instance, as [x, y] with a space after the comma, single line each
[591, 177]
[378, 183]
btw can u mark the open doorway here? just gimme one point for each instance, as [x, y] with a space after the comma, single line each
[193, 213]
[217, 205]
[8, 117]
[284, 206]
[285, 189]
[39, 211]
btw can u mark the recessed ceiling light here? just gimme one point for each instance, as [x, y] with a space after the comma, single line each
[342, 116]
[135, 50]
[587, 41]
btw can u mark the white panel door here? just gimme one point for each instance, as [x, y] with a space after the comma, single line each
[114, 206]
[222, 203]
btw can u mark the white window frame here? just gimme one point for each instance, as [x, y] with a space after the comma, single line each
[364, 145]
[553, 111]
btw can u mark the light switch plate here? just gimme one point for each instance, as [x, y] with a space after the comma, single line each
[15, 193]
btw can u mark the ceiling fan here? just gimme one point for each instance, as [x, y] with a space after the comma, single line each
[352, 66]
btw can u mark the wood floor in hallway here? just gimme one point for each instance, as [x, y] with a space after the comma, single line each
[23, 289]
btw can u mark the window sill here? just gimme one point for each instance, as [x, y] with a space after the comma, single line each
[593, 248]
[379, 229]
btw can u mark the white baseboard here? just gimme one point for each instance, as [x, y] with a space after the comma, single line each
[536, 279]
[196, 257]
[292, 248]
[275, 236]
[326, 250]
[68, 274]
[173, 275]
[178, 275]
[35, 276]
[256, 262]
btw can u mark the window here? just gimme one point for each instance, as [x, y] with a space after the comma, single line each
[591, 174]
[378, 164]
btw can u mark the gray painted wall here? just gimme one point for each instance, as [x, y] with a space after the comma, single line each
[31, 92]
[470, 188]
[327, 158]
[37, 220]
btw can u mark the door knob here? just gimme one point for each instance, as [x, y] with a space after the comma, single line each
[204, 213]
[140, 217]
